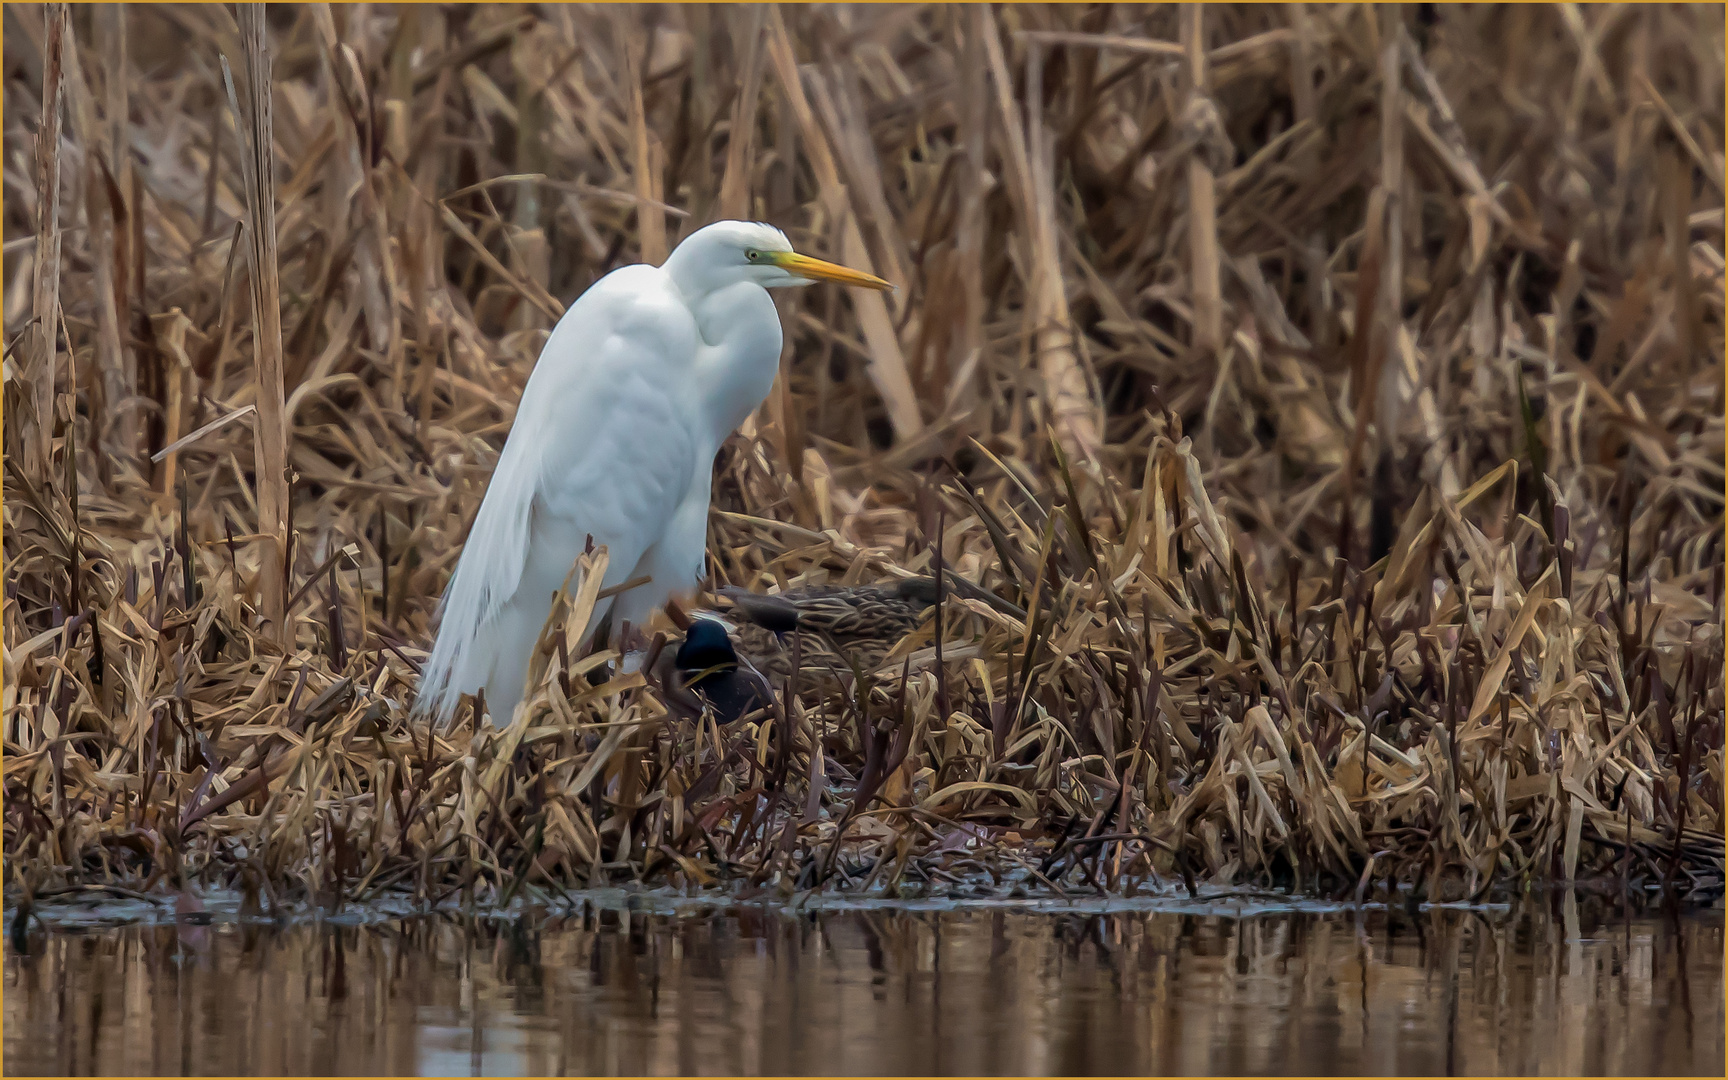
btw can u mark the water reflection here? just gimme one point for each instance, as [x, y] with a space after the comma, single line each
[1576, 991]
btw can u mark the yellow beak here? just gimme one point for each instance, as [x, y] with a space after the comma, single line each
[817, 270]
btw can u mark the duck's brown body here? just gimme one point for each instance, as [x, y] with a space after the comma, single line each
[836, 627]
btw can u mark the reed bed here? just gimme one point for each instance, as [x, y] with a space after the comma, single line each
[1337, 391]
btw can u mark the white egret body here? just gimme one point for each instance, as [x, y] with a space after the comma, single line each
[636, 388]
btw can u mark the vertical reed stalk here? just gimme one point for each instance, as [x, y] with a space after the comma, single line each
[271, 449]
[734, 199]
[45, 308]
[968, 343]
[1199, 119]
[650, 220]
[887, 363]
[113, 165]
[1072, 411]
[1390, 313]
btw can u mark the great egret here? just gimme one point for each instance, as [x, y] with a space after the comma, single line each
[636, 388]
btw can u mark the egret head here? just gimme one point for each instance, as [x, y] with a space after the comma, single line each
[728, 252]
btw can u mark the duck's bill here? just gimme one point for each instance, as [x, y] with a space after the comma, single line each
[817, 270]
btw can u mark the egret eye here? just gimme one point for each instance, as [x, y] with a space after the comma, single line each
[753, 256]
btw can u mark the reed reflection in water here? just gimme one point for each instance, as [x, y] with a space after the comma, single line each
[1575, 990]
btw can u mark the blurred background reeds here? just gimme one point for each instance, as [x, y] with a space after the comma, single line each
[1336, 391]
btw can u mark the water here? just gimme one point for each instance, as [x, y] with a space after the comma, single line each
[1566, 986]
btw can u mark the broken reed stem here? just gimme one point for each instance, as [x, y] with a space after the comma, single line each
[969, 343]
[271, 454]
[1065, 385]
[527, 236]
[887, 368]
[110, 170]
[1022, 184]
[734, 201]
[1389, 314]
[1200, 120]
[650, 222]
[45, 308]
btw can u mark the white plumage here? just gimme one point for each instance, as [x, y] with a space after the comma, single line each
[636, 388]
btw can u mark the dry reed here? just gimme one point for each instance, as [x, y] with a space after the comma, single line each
[1338, 393]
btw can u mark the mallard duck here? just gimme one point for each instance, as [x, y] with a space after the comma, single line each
[707, 665]
[837, 625]
[729, 661]
[733, 657]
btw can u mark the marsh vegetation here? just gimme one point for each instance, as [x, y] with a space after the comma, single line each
[1335, 392]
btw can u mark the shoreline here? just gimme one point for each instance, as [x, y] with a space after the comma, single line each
[96, 909]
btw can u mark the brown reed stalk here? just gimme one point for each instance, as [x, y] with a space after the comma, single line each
[650, 222]
[1201, 120]
[45, 307]
[111, 176]
[258, 176]
[887, 369]
[734, 201]
[1073, 412]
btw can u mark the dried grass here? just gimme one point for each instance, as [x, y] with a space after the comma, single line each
[1363, 492]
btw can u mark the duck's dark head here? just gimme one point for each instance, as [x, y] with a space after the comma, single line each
[709, 665]
[705, 647]
[918, 592]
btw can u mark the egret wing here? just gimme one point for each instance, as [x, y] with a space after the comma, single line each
[601, 447]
